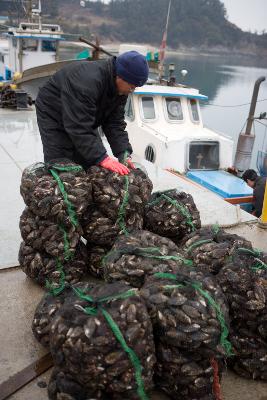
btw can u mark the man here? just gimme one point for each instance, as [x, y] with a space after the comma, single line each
[80, 98]
[257, 183]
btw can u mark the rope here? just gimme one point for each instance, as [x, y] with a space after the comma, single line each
[216, 380]
[197, 244]
[256, 254]
[131, 354]
[68, 255]
[122, 209]
[253, 252]
[70, 207]
[225, 332]
[184, 211]
[117, 332]
[197, 286]
[56, 289]
[235, 105]
[148, 252]
[68, 168]
[215, 229]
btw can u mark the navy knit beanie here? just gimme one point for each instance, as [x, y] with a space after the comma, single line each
[132, 67]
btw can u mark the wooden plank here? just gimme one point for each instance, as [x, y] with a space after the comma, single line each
[26, 375]
[239, 200]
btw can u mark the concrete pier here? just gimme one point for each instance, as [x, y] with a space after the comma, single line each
[20, 146]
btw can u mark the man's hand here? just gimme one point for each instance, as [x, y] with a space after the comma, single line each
[129, 163]
[114, 166]
[125, 159]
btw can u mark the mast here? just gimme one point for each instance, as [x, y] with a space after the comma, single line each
[163, 43]
[37, 12]
[29, 10]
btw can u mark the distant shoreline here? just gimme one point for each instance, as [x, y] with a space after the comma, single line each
[240, 54]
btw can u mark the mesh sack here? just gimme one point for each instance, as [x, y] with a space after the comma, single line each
[210, 248]
[44, 235]
[188, 310]
[172, 214]
[90, 341]
[60, 191]
[42, 267]
[139, 254]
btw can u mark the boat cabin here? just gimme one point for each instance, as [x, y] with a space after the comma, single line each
[30, 45]
[3, 56]
[165, 127]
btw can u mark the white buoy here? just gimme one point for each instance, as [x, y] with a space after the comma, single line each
[184, 72]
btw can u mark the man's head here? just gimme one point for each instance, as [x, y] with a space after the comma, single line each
[131, 70]
[250, 176]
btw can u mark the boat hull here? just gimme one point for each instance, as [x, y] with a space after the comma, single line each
[34, 78]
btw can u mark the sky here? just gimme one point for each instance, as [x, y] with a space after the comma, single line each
[247, 14]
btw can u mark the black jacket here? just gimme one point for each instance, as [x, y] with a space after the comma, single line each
[77, 100]
[258, 194]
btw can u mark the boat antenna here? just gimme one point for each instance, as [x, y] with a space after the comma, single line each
[28, 9]
[163, 44]
[37, 11]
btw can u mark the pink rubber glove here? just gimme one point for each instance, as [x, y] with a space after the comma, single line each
[114, 166]
[130, 164]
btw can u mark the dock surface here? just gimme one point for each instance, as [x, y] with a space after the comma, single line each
[20, 146]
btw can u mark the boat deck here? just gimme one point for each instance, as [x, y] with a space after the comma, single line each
[20, 146]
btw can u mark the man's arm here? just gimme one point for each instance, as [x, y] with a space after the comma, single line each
[114, 130]
[78, 114]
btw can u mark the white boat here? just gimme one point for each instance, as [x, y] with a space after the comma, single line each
[29, 45]
[165, 127]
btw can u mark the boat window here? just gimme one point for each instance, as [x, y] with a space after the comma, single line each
[203, 155]
[148, 107]
[174, 109]
[150, 153]
[49, 45]
[29, 44]
[194, 110]
[129, 113]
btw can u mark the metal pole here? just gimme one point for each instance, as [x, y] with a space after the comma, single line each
[253, 104]
[98, 48]
[164, 43]
[29, 11]
[246, 139]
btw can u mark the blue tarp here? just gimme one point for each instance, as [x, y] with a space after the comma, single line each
[224, 184]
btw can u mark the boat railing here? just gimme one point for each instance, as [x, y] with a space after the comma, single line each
[35, 26]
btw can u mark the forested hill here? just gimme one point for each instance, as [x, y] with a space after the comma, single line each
[193, 23]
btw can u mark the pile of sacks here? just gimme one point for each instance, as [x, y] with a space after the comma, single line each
[190, 320]
[56, 197]
[241, 272]
[163, 310]
[118, 208]
[244, 282]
